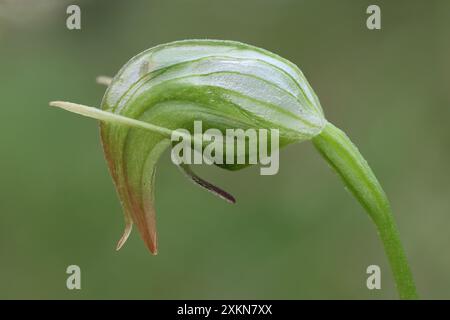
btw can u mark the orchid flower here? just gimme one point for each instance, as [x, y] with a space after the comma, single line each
[225, 84]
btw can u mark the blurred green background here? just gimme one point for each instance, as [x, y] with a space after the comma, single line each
[295, 235]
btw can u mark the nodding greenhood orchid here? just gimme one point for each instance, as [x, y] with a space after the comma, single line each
[226, 85]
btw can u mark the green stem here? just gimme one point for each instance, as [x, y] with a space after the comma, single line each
[344, 157]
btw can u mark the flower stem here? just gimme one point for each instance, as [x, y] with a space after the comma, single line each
[344, 157]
